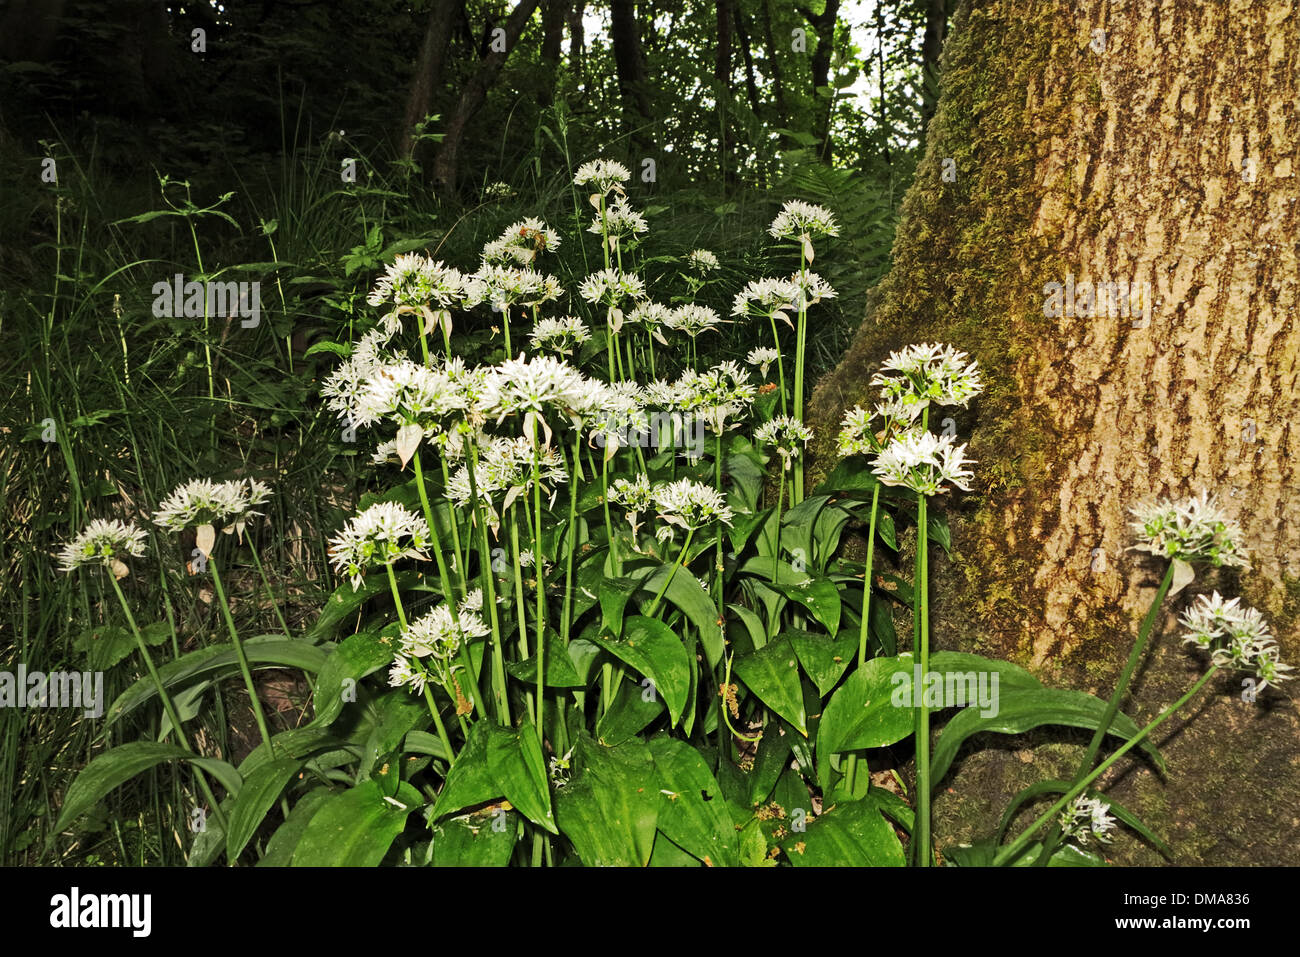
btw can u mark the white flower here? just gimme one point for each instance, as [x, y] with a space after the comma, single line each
[702, 261]
[412, 280]
[103, 542]
[633, 494]
[611, 287]
[788, 434]
[859, 437]
[409, 392]
[343, 387]
[926, 373]
[800, 220]
[381, 535]
[717, 396]
[766, 297]
[559, 335]
[691, 505]
[401, 673]
[535, 385]
[620, 220]
[1248, 644]
[503, 286]
[204, 502]
[602, 175]
[437, 635]
[520, 243]
[923, 462]
[763, 357]
[1087, 816]
[649, 314]
[1192, 531]
[692, 319]
[810, 289]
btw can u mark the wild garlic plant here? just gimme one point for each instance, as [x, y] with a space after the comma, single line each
[641, 639]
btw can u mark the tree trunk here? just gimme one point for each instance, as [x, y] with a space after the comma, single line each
[722, 74]
[577, 39]
[475, 92]
[936, 28]
[751, 83]
[554, 13]
[1153, 153]
[428, 70]
[823, 25]
[630, 63]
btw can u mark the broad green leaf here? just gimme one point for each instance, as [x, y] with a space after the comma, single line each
[772, 674]
[515, 761]
[824, 659]
[280, 848]
[560, 670]
[421, 742]
[615, 593]
[263, 651]
[1019, 710]
[850, 834]
[114, 768]
[356, 827]
[687, 594]
[351, 660]
[862, 712]
[693, 815]
[469, 782]
[653, 649]
[610, 808]
[1009, 675]
[1121, 813]
[261, 789]
[475, 840]
[396, 712]
[631, 710]
[345, 600]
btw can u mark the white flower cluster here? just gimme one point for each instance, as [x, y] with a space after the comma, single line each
[103, 542]
[521, 243]
[928, 373]
[381, 535]
[763, 357]
[800, 220]
[702, 261]
[413, 280]
[1087, 816]
[691, 319]
[504, 286]
[788, 434]
[923, 462]
[561, 335]
[765, 297]
[611, 287]
[1247, 644]
[437, 637]
[602, 175]
[1195, 530]
[690, 504]
[858, 436]
[620, 220]
[204, 502]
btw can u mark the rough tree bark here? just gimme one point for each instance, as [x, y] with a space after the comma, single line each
[475, 92]
[1147, 142]
[554, 13]
[722, 76]
[936, 28]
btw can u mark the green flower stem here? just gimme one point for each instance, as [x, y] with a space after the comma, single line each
[650, 341]
[457, 550]
[520, 615]
[570, 540]
[866, 612]
[449, 593]
[489, 592]
[541, 587]
[780, 364]
[428, 695]
[668, 579]
[720, 563]
[505, 327]
[922, 835]
[776, 553]
[1112, 706]
[243, 658]
[1013, 850]
[798, 368]
[168, 706]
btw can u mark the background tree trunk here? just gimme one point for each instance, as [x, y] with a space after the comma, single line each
[722, 74]
[1153, 152]
[475, 92]
[630, 63]
[428, 70]
[823, 25]
[554, 13]
[936, 28]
